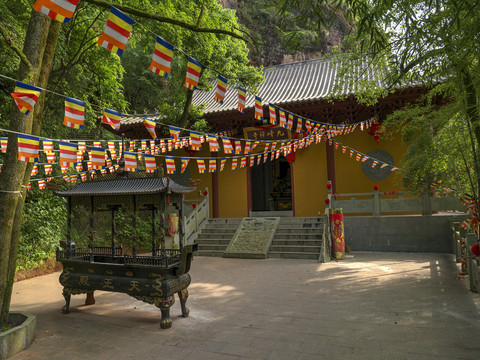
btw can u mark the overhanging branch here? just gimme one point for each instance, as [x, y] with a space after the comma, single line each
[15, 48]
[168, 20]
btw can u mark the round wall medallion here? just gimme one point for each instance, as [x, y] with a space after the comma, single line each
[377, 173]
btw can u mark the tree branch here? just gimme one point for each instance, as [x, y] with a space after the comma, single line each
[168, 20]
[15, 48]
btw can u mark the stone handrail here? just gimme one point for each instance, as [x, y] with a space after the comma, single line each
[377, 203]
[193, 221]
[470, 264]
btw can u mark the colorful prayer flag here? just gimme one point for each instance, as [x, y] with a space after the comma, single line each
[193, 73]
[150, 164]
[222, 163]
[375, 163]
[162, 58]
[212, 141]
[25, 96]
[150, 125]
[3, 144]
[47, 168]
[28, 147]
[242, 96]
[212, 165]
[68, 153]
[34, 170]
[83, 176]
[97, 157]
[234, 163]
[74, 113]
[221, 89]
[201, 166]
[227, 146]
[174, 132]
[290, 121]
[238, 147]
[273, 114]
[130, 161]
[51, 157]
[247, 147]
[252, 161]
[41, 184]
[116, 31]
[59, 10]
[66, 178]
[283, 118]
[299, 125]
[258, 108]
[184, 164]
[243, 162]
[112, 118]
[170, 162]
[196, 140]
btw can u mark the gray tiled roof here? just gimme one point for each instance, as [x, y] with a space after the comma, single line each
[290, 83]
[134, 186]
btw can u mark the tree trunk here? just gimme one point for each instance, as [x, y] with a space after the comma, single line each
[46, 67]
[13, 171]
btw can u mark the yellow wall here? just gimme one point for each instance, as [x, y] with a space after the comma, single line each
[348, 172]
[310, 179]
[232, 192]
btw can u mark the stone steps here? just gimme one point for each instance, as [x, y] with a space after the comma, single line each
[296, 238]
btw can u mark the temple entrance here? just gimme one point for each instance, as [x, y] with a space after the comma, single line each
[272, 186]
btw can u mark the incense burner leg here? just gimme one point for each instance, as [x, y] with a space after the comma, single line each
[164, 304]
[90, 299]
[183, 296]
[67, 294]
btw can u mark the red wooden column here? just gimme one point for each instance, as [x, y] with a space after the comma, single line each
[331, 166]
[249, 190]
[215, 205]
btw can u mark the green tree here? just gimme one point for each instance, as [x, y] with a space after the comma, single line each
[78, 63]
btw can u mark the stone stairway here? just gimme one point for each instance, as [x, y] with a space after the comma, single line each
[296, 238]
[215, 236]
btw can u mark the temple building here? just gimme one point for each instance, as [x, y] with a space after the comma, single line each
[294, 183]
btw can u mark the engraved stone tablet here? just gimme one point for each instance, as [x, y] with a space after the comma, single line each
[253, 238]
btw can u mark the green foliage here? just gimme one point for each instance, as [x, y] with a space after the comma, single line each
[43, 226]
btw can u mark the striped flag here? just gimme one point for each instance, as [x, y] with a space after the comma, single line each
[258, 108]
[242, 97]
[227, 146]
[374, 163]
[130, 161]
[212, 141]
[25, 96]
[193, 73]
[238, 147]
[196, 140]
[247, 147]
[212, 165]
[68, 153]
[66, 178]
[365, 158]
[116, 31]
[201, 166]
[290, 121]
[97, 157]
[34, 170]
[74, 113]
[344, 148]
[259, 159]
[252, 161]
[83, 176]
[150, 125]
[73, 178]
[351, 152]
[273, 114]
[3, 144]
[48, 169]
[150, 164]
[162, 58]
[51, 157]
[82, 146]
[79, 166]
[132, 145]
[283, 118]
[358, 157]
[234, 163]
[174, 132]
[112, 118]
[221, 89]
[222, 163]
[28, 147]
[59, 10]
[184, 164]
[299, 125]
[243, 162]
[41, 184]
[170, 162]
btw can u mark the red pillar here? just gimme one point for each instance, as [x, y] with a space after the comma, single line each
[331, 166]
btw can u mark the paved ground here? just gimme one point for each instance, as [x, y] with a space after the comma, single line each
[371, 306]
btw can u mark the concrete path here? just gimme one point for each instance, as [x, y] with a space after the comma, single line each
[371, 306]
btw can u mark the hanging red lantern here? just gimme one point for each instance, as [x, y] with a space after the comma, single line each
[375, 131]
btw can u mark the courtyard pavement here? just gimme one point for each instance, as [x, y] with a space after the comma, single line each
[369, 306]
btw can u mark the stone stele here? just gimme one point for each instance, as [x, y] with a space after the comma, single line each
[253, 238]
